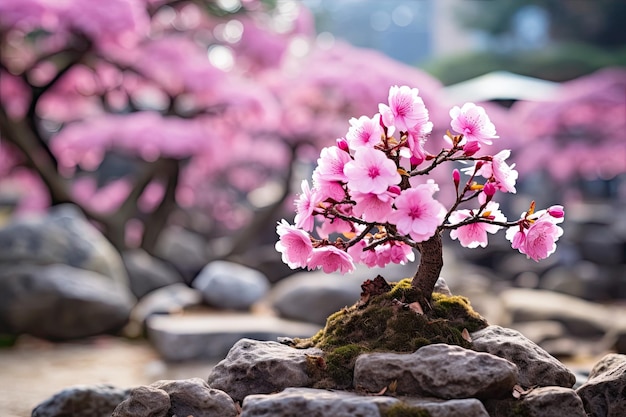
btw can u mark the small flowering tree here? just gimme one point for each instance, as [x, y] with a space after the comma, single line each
[372, 201]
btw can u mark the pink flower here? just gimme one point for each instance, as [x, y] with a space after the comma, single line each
[330, 164]
[373, 207]
[536, 238]
[330, 259]
[406, 110]
[475, 234]
[328, 177]
[371, 171]
[505, 175]
[401, 253]
[472, 121]
[364, 131]
[294, 245]
[417, 213]
[305, 206]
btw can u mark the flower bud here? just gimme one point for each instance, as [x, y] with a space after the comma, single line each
[556, 212]
[470, 148]
[394, 189]
[489, 189]
[342, 144]
[416, 160]
[456, 177]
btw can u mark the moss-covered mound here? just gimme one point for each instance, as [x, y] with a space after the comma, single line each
[389, 322]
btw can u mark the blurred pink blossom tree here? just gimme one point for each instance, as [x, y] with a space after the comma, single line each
[202, 105]
[579, 134]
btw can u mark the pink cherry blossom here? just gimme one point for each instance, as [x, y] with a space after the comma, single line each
[475, 234]
[305, 206]
[505, 175]
[330, 164]
[330, 259]
[328, 177]
[371, 171]
[294, 244]
[364, 131]
[401, 253]
[373, 207]
[417, 213]
[536, 238]
[472, 121]
[406, 110]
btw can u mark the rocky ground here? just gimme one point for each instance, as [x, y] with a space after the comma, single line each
[34, 370]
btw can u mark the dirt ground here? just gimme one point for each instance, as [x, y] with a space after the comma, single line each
[34, 370]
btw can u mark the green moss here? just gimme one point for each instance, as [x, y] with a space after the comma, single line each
[340, 364]
[404, 410]
[387, 323]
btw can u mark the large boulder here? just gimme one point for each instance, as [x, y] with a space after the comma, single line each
[59, 302]
[63, 236]
[228, 285]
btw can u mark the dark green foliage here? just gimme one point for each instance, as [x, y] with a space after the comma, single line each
[387, 323]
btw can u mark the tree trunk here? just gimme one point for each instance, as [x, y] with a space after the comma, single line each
[431, 262]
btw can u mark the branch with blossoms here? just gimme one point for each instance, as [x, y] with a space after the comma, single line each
[371, 192]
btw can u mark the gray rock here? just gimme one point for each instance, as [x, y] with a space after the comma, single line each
[466, 407]
[186, 250]
[63, 236]
[82, 401]
[144, 401]
[255, 367]
[313, 296]
[147, 273]
[231, 286]
[603, 395]
[553, 402]
[60, 302]
[443, 371]
[171, 299]
[193, 397]
[536, 366]
[210, 336]
[296, 402]
[580, 318]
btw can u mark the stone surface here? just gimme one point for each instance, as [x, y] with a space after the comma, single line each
[144, 401]
[194, 397]
[553, 402]
[147, 273]
[313, 296]
[229, 285]
[185, 250]
[262, 367]
[62, 236]
[604, 394]
[440, 370]
[309, 402]
[60, 302]
[580, 318]
[536, 366]
[466, 407]
[171, 299]
[212, 335]
[82, 401]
